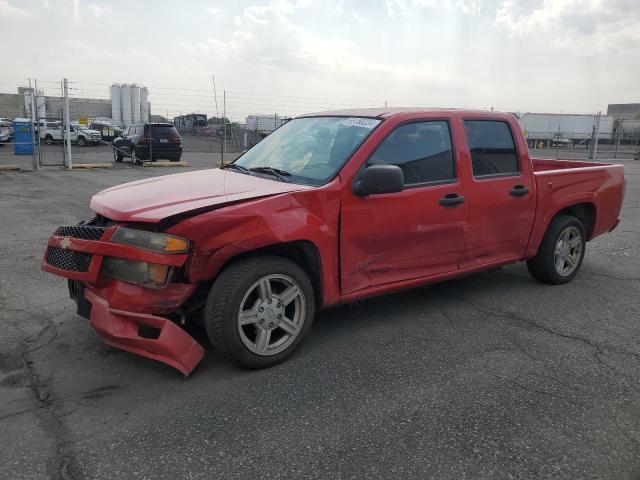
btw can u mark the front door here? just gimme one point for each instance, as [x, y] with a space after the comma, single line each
[415, 233]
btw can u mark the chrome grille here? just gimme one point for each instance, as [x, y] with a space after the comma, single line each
[80, 231]
[68, 259]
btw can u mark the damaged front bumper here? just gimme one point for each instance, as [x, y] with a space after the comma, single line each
[127, 316]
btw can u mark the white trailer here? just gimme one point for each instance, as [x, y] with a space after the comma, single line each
[554, 126]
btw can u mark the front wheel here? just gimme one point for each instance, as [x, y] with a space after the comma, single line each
[117, 155]
[259, 309]
[82, 142]
[48, 139]
[561, 252]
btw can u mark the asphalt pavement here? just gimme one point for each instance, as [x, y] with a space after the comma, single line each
[489, 376]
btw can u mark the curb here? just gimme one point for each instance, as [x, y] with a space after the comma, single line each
[92, 165]
[165, 164]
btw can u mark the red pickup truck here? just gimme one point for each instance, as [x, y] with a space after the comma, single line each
[329, 208]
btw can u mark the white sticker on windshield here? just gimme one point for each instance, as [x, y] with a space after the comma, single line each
[359, 122]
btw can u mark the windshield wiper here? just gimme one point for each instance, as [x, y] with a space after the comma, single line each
[276, 172]
[240, 168]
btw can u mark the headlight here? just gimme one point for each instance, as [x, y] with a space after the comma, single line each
[155, 242]
[132, 271]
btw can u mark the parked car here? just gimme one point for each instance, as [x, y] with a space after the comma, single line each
[53, 132]
[6, 130]
[329, 208]
[108, 131]
[148, 141]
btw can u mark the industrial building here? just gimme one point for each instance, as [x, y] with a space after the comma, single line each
[624, 111]
[128, 104]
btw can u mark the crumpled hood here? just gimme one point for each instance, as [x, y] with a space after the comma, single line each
[154, 199]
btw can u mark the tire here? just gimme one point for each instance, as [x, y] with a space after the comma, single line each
[48, 139]
[566, 238]
[82, 142]
[134, 157]
[240, 286]
[117, 155]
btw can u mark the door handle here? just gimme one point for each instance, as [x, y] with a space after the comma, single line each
[451, 200]
[518, 191]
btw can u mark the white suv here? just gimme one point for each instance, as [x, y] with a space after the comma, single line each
[52, 132]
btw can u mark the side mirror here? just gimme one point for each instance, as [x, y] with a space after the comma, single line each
[379, 179]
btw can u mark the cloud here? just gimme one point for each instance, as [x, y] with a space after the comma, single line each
[9, 11]
[268, 39]
[396, 8]
[98, 10]
[213, 10]
[586, 27]
[360, 20]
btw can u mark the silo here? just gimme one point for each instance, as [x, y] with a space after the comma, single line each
[144, 104]
[116, 105]
[125, 92]
[135, 103]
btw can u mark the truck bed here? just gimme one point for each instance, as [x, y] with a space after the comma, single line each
[561, 183]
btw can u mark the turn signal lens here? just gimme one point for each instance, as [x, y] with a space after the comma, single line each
[152, 241]
[176, 245]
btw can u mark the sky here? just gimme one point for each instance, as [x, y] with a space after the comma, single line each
[295, 56]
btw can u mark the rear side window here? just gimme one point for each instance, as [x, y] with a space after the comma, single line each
[421, 149]
[162, 131]
[493, 151]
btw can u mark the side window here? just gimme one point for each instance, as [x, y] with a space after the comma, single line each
[493, 151]
[421, 149]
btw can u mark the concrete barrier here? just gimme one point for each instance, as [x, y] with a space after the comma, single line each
[165, 164]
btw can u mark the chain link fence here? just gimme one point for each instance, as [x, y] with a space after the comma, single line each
[214, 127]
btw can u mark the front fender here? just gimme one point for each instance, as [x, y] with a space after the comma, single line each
[310, 216]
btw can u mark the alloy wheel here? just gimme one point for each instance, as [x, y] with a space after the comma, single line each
[271, 314]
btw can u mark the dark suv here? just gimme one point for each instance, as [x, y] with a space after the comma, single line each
[148, 141]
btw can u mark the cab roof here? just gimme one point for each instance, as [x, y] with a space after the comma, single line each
[384, 113]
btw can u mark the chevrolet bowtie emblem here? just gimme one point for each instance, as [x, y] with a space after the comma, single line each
[65, 243]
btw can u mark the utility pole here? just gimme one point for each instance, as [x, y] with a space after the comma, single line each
[67, 129]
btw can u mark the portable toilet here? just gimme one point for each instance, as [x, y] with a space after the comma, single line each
[23, 136]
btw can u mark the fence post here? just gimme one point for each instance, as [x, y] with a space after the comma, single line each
[224, 125]
[67, 129]
[35, 128]
[594, 137]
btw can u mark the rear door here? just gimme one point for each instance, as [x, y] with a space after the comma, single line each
[394, 237]
[501, 197]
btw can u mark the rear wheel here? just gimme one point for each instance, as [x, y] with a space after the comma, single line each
[561, 252]
[48, 139]
[258, 310]
[82, 142]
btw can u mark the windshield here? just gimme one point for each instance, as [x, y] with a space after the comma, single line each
[309, 150]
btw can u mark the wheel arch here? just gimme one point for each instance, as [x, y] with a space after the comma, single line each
[303, 253]
[584, 210]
